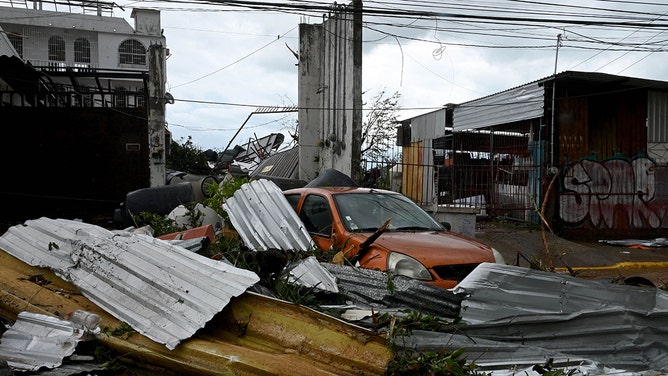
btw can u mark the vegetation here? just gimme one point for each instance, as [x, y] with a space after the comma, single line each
[379, 128]
[123, 330]
[217, 194]
[159, 224]
[426, 363]
[434, 363]
[188, 157]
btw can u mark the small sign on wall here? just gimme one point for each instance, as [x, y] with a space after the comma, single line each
[132, 147]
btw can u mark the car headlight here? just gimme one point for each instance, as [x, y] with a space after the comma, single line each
[498, 257]
[400, 264]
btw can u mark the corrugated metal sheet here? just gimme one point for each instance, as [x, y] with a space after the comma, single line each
[517, 317]
[424, 129]
[428, 126]
[369, 288]
[503, 292]
[517, 104]
[657, 116]
[163, 291]
[265, 220]
[309, 273]
[36, 341]
[283, 164]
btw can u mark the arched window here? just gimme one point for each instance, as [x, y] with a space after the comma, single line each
[81, 50]
[132, 52]
[56, 48]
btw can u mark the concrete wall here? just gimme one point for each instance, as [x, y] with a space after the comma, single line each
[330, 94]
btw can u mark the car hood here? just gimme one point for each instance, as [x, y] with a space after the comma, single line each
[436, 248]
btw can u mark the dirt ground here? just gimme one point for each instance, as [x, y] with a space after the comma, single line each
[521, 244]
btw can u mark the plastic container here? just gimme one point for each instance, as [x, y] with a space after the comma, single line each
[87, 320]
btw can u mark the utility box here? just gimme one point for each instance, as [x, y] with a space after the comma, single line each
[462, 220]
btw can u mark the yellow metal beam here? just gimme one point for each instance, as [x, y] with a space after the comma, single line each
[253, 335]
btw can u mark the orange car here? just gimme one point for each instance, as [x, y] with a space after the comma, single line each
[387, 231]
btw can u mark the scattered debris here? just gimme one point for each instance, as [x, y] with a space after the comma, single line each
[37, 341]
[638, 243]
[500, 319]
[163, 291]
[310, 273]
[265, 219]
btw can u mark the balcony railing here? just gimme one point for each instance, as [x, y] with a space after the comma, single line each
[100, 8]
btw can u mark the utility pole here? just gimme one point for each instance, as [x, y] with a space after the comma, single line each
[554, 86]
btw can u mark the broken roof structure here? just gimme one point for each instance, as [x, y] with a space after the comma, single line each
[516, 318]
[38, 341]
[265, 219]
[163, 291]
[200, 315]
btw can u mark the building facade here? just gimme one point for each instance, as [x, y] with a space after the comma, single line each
[586, 151]
[83, 92]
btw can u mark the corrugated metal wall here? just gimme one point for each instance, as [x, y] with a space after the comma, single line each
[521, 103]
[609, 187]
[657, 117]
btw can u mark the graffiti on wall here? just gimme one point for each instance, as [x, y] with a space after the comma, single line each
[600, 194]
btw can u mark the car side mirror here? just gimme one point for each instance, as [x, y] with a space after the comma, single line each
[447, 225]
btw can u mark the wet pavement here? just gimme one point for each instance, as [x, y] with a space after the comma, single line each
[521, 244]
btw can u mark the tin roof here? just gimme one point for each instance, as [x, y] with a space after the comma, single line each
[162, 290]
[284, 164]
[265, 220]
[517, 318]
[36, 341]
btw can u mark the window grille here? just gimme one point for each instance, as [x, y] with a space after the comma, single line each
[56, 48]
[132, 52]
[81, 50]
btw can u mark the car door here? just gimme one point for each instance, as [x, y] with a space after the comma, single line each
[316, 213]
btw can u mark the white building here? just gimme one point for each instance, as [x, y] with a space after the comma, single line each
[80, 36]
[83, 91]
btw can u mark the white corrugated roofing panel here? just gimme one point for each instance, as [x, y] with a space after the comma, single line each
[36, 341]
[502, 292]
[310, 273]
[264, 218]
[518, 317]
[428, 126]
[517, 104]
[162, 290]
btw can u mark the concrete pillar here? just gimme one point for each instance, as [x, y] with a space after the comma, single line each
[330, 94]
[156, 115]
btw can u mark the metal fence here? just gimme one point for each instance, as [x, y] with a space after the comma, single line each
[497, 172]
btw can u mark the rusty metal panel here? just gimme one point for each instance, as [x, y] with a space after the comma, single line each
[617, 198]
[617, 126]
[657, 116]
[573, 128]
[412, 171]
[517, 104]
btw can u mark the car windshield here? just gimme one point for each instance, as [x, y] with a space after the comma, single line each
[366, 212]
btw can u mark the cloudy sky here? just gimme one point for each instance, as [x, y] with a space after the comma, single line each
[226, 61]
